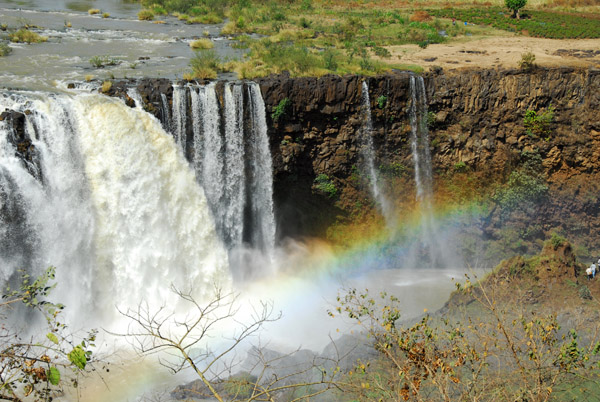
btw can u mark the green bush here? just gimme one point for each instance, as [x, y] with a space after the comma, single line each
[515, 6]
[26, 36]
[381, 101]
[145, 15]
[325, 185]
[527, 62]
[202, 44]
[205, 64]
[281, 110]
[5, 50]
[539, 124]
[103, 61]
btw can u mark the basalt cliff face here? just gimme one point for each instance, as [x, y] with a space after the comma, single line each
[478, 140]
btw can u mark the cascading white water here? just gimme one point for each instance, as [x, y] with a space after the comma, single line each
[235, 177]
[423, 171]
[134, 94]
[178, 124]
[119, 212]
[368, 156]
[261, 173]
[233, 162]
[165, 111]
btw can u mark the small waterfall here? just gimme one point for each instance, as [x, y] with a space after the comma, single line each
[178, 124]
[165, 112]
[261, 173]
[119, 212]
[423, 171]
[232, 161]
[134, 94]
[368, 156]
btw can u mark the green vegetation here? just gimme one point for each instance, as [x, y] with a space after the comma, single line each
[202, 44]
[487, 345]
[524, 186]
[325, 185]
[527, 62]
[24, 35]
[541, 24]
[205, 64]
[281, 110]
[37, 368]
[5, 50]
[145, 15]
[515, 6]
[93, 11]
[539, 123]
[103, 61]
[381, 101]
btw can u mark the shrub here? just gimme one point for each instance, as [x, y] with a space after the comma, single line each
[527, 62]
[325, 185]
[26, 36]
[93, 11]
[281, 110]
[330, 57]
[5, 50]
[205, 64]
[106, 86]
[539, 124]
[103, 61]
[381, 101]
[202, 44]
[460, 167]
[515, 6]
[145, 15]
[557, 240]
[105, 15]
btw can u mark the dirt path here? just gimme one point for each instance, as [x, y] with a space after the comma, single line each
[502, 52]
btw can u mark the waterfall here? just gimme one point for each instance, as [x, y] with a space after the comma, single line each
[261, 173]
[119, 212]
[232, 161]
[423, 172]
[134, 94]
[178, 124]
[368, 156]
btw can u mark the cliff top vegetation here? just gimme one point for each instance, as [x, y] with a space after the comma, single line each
[317, 37]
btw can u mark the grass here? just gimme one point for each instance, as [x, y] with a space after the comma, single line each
[202, 44]
[5, 50]
[93, 11]
[26, 36]
[145, 15]
[316, 37]
[205, 65]
[541, 24]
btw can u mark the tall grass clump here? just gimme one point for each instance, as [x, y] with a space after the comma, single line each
[5, 50]
[26, 36]
[205, 64]
[202, 44]
[145, 15]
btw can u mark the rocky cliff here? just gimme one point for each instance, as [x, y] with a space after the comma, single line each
[524, 145]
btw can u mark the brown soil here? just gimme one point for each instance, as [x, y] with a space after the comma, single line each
[501, 52]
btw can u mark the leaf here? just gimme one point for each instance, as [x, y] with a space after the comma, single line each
[53, 375]
[52, 338]
[77, 357]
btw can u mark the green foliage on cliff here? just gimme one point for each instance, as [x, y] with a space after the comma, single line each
[205, 64]
[526, 185]
[325, 185]
[539, 123]
[281, 110]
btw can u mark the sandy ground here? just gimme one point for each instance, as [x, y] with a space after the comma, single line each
[503, 52]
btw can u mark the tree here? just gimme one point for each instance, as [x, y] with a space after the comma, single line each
[182, 342]
[490, 353]
[515, 6]
[36, 368]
